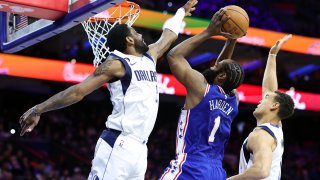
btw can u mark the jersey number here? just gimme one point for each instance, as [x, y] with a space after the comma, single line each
[214, 129]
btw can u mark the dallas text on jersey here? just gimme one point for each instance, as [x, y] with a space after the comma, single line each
[143, 75]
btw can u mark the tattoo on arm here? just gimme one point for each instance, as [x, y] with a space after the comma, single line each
[104, 67]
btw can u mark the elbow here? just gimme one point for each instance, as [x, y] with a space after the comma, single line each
[170, 55]
[173, 54]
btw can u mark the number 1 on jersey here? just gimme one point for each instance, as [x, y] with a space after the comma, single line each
[214, 129]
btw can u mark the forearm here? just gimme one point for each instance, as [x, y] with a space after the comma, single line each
[270, 82]
[60, 100]
[253, 173]
[227, 50]
[186, 47]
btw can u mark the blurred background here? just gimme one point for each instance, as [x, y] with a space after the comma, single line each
[62, 145]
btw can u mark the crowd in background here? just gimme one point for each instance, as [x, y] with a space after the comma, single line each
[62, 145]
[78, 49]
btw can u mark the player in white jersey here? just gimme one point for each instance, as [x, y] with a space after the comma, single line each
[261, 152]
[130, 70]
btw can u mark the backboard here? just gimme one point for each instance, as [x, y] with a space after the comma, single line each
[18, 32]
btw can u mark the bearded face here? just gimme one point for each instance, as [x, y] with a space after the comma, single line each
[140, 46]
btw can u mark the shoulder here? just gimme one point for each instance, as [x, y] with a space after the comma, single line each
[111, 66]
[260, 137]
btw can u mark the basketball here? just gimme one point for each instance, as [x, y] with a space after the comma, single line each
[238, 23]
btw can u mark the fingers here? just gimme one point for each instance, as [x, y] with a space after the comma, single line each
[221, 12]
[218, 15]
[191, 10]
[195, 2]
[26, 121]
[24, 127]
[286, 38]
[275, 48]
[189, 6]
[27, 127]
[227, 35]
[225, 19]
[283, 40]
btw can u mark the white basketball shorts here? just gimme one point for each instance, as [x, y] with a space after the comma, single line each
[118, 157]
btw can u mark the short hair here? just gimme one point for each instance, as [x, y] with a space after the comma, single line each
[235, 76]
[116, 38]
[286, 108]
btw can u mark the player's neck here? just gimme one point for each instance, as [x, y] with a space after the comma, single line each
[133, 52]
[268, 118]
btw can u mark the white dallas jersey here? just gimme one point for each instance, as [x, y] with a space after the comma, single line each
[135, 97]
[246, 157]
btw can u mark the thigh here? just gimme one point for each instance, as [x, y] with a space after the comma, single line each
[110, 162]
[103, 152]
[175, 169]
[188, 169]
[140, 167]
[201, 170]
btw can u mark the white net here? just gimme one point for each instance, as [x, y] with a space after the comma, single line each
[98, 26]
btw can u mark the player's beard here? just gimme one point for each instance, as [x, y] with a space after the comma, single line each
[141, 46]
[210, 75]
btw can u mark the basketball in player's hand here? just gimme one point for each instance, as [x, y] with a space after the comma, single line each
[238, 23]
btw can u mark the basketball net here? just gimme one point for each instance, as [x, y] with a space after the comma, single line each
[97, 27]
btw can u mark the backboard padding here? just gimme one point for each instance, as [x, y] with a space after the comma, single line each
[43, 29]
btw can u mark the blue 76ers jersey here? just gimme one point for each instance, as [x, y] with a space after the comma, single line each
[205, 129]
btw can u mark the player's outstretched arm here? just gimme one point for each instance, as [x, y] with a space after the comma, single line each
[106, 71]
[270, 82]
[171, 30]
[214, 29]
[227, 51]
[194, 81]
[261, 144]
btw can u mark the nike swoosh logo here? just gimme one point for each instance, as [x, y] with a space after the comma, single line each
[133, 63]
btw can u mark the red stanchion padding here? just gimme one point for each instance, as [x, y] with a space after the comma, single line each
[42, 9]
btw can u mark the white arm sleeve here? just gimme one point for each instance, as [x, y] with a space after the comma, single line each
[174, 23]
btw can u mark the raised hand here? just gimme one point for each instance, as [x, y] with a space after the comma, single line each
[216, 24]
[29, 120]
[189, 7]
[275, 48]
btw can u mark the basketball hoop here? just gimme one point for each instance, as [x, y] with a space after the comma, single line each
[97, 27]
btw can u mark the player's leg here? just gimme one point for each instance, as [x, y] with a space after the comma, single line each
[141, 164]
[102, 165]
[128, 160]
[100, 161]
[175, 168]
[194, 168]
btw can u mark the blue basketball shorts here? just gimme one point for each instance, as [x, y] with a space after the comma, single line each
[187, 167]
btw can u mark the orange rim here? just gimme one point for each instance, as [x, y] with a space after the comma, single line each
[126, 7]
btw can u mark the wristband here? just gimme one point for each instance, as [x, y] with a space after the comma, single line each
[174, 23]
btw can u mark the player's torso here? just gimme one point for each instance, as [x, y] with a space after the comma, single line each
[204, 130]
[135, 97]
[246, 157]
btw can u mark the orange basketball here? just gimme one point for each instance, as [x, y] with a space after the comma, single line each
[238, 23]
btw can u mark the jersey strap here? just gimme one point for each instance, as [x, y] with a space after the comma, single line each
[245, 151]
[149, 57]
[126, 80]
[266, 128]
